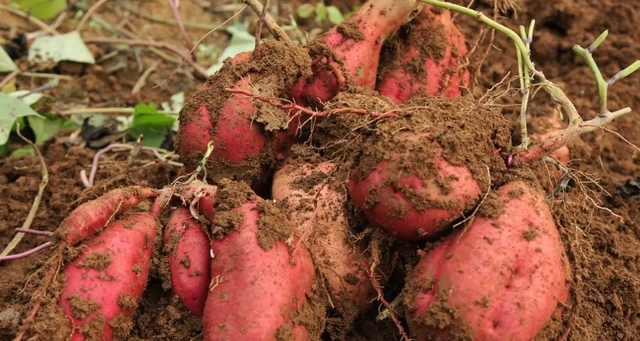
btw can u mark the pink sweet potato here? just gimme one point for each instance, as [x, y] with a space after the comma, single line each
[424, 58]
[105, 282]
[351, 50]
[501, 278]
[409, 204]
[91, 217]
[256, 285]
[318, 214]
[189, 259]
[247, 134]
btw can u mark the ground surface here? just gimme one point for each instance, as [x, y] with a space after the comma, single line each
[603, 243]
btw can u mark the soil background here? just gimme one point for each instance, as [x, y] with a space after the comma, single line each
[598, 216]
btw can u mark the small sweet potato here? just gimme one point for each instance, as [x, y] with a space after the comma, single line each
[105, 283]
[501, 278]
[189, 259]
[256, 284]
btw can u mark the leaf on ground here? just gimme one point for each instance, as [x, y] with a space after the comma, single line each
[241, 41]
[42, 9]
[6, 63]
[153, 125]
[177, 101]
[305, 10]
[321, 12]
[65, 47]
[26, 97]
[334, 15]
[3, 148]
[10, 109]
[23, 151]
[50, 125]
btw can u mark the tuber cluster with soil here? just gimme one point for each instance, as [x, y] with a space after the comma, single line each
[323, 183]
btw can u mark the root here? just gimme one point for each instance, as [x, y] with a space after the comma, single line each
[375, 261]
[36, 202]
[292, 107]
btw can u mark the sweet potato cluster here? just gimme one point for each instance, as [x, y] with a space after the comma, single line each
[324, 157]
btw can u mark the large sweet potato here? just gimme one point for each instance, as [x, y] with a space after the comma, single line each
[257, 284]
[501, 278]
[104, 284]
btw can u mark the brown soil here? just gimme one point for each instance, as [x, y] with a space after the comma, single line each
[598, 220]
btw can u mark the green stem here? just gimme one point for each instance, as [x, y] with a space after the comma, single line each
[577, 125]
[601, 84]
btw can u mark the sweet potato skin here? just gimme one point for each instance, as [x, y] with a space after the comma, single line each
[498, 279]
[441, 71]
[189, 260]
[253, 292]
[387, 207]
[108, 278]
[319, 217]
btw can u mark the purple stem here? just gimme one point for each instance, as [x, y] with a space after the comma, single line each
[26, 253]
[44, 233]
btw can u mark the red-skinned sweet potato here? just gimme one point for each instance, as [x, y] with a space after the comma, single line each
[256, 287]
[351, 50]
[248, 135]
[91, 217]
[501, 278]
[104, 284]
[424, 58]
[189, 260]
[318, 214]
[410, 205]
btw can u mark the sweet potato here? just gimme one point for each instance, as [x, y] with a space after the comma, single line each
[257, 283]
[104, 284]
[318, 213]
[500, 278]
[424, 58]
[247, 134]
[189, 259]
[413, 203]
[91, 217]
[349, 52]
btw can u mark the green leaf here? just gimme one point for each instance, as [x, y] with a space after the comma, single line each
[321, 12]
[148, 122]
[3, 148]
[45, 128]
[241, 41]
[305, 11]
[65, 47]
[334, 15]
[29, 99]
[23, 151]
[10, 109]
[6, 63]
[42, 9]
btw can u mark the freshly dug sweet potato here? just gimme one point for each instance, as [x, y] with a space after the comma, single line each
[318, 214]
[421, 171]
[258, 282]
[349, 53]
[424, 58]
[409, 204]
[247, 134]
[189, 259]
[104, 284]
[500, 278]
